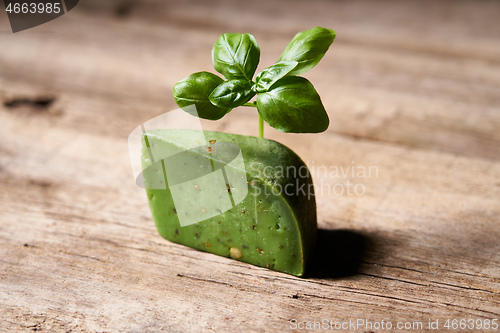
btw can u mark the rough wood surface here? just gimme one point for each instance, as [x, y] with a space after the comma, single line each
[412, 89]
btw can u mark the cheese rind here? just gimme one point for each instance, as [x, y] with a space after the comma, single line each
[271, 217]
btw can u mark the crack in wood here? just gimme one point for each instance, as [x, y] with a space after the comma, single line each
[39, 102]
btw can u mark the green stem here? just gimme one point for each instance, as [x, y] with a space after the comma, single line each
[261, 127]
[261, 121]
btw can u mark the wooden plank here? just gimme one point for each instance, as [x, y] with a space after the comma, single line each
[78, 248]
[93, 260]
[433, 88]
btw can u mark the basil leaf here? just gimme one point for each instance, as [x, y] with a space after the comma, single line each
[195, 89]
[307, 48]
[232, 93]
[236, 56]
[293, 106]
[271, 74]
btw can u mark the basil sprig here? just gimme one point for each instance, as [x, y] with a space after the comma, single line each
[285, 101]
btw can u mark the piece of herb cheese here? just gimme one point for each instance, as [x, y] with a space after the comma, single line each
[237, 196]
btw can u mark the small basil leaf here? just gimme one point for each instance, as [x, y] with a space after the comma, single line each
[271, 74]
[307, 48]
[293, 106]
[232, 93]
[195, 89]
[236, 56]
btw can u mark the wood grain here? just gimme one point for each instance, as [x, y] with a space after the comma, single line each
[412, 90]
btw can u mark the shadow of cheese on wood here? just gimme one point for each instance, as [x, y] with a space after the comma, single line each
[338, 253]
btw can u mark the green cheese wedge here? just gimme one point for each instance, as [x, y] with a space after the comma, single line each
[242, 197]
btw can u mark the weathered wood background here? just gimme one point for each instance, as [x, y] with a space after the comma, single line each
[412, 88]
